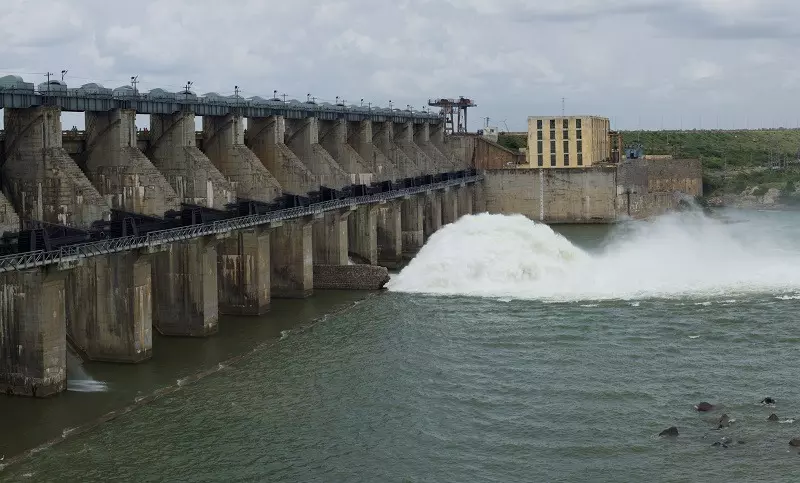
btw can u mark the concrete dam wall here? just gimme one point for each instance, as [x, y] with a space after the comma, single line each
[605, 194]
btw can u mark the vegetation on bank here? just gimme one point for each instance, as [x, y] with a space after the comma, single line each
[733, 161]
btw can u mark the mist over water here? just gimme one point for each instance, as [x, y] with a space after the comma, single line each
[676, 255]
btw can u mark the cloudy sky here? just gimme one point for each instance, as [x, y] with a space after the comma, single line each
[642, 63]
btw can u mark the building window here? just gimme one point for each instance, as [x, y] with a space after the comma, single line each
[539, 147]
[580, 146]
[552, 134]
[565, 134]
[566, 123]
[553, 159]
[579, 134]
[577, 123]
[539, 135]
[552, 145]
[540, 160]
[538, 124]
[566, 146]
[552, 123]
[580, 159]
[566, 159]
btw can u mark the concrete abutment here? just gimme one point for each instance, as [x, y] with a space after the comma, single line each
[330, 238]
[413, 223]
[433, 213]
[266, 136]
[302, 137]
[362, 234]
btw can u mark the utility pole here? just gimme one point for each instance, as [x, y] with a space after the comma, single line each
[63, 73]
[284, 98]
[134, 81]
[563, 99]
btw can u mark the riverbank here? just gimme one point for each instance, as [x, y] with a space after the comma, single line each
[112, 390]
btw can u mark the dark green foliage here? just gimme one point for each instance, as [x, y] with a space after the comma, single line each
[512, 142]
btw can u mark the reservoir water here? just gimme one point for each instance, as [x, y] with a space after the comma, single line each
[504, 352]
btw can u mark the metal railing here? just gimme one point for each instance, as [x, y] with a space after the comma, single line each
[71, 253]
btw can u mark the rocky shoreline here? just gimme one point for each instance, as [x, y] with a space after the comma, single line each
[749, 199]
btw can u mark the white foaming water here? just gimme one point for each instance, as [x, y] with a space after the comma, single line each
[676, 255]
[78, 380]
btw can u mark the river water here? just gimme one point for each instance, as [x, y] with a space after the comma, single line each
[504, 352]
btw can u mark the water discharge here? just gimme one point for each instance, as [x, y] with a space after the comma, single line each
[676, 255]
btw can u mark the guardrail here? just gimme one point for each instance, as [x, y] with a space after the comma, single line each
[71, 253]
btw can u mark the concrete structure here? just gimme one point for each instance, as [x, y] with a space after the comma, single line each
[360, 136]
[174, 151]
[42, 181]
[390, 235]
[607, 194]
[267, 140]
[350, 277]
[185, 294]
[573, 141]
[244, 272]
[119, 170]
[109, 307]
[104, 292]
[223, 143]
[33, 350]
[291, 257]
[302, 137]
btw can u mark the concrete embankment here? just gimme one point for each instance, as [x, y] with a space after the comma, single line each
[350, 277]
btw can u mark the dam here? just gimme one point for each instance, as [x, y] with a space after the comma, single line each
[113, 232]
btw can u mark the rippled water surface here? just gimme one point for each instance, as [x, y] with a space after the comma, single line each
[413, 387]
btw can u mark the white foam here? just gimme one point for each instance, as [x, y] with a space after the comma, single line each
[675, 255]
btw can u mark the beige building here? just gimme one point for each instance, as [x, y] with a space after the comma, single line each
[567, 142]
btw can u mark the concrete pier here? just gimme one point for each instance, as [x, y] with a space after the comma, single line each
[390, 235]
[384, 139]
[33, 339]
[9, 221]
[121, 173]
[333, 138]
[413, 222]
[359, 136]
[422, 138]
[450, 211]
[330, 238]
[243, 272]
[439, 141]
[185, 297]
[302, 137]
[266, 136]
[41, 179]
[292, 259]
[223, 142]
[174, 151]
[362, 230]
[109, 307]
[433, 213]
[465, 195]
[404, 139]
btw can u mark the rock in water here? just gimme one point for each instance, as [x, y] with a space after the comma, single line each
[794, 442]
[767, 400]
[671, 431]
[772, 417]
[723, 422]
[704, 406]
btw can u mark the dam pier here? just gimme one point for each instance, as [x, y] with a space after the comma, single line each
[112, 233]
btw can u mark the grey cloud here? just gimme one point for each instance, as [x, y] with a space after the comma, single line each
[626, 59]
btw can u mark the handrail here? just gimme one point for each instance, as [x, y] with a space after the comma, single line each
[70, 253]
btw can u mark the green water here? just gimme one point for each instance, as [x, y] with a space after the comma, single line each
[417, 388]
